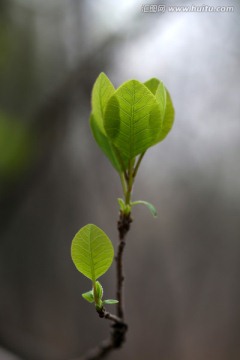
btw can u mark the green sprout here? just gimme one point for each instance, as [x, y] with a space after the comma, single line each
[92, 253]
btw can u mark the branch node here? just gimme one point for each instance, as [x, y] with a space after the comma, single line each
[119, 334]
[124, 223]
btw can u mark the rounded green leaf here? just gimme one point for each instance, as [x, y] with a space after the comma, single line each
[168, 118]
[132, 118]
[103, 89]
[92, 251]
[166, 106]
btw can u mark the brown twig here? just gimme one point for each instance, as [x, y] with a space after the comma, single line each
[123, 228]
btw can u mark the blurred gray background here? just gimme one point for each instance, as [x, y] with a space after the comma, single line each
[182, 285]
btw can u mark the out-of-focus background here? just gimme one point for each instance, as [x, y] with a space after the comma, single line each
[182, 285]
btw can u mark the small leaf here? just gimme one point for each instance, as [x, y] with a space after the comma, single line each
[110, 301]
[149, 206]
[92, 252]
[132, 119]
[99, 290]
[103, 89]
[157, 88]
[166, 106]
[168, 119]
[125, 208]
[121, 204]
[88, 296]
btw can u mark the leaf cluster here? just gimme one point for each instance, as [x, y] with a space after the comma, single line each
[127, 121]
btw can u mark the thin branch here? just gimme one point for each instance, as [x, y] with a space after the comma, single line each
[123, 227]
[107, 315]
[105, 347]
[98, 352]
[115, 341]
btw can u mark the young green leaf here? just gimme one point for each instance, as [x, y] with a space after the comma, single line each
[110, 302]
[168, 119]
[103, 89]
[157, 88]
[132, 119]
[99, 290]
[125, 208]
[88, 296]
[92, 252]
[149, 206]
[121, 204]
[165, 103]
